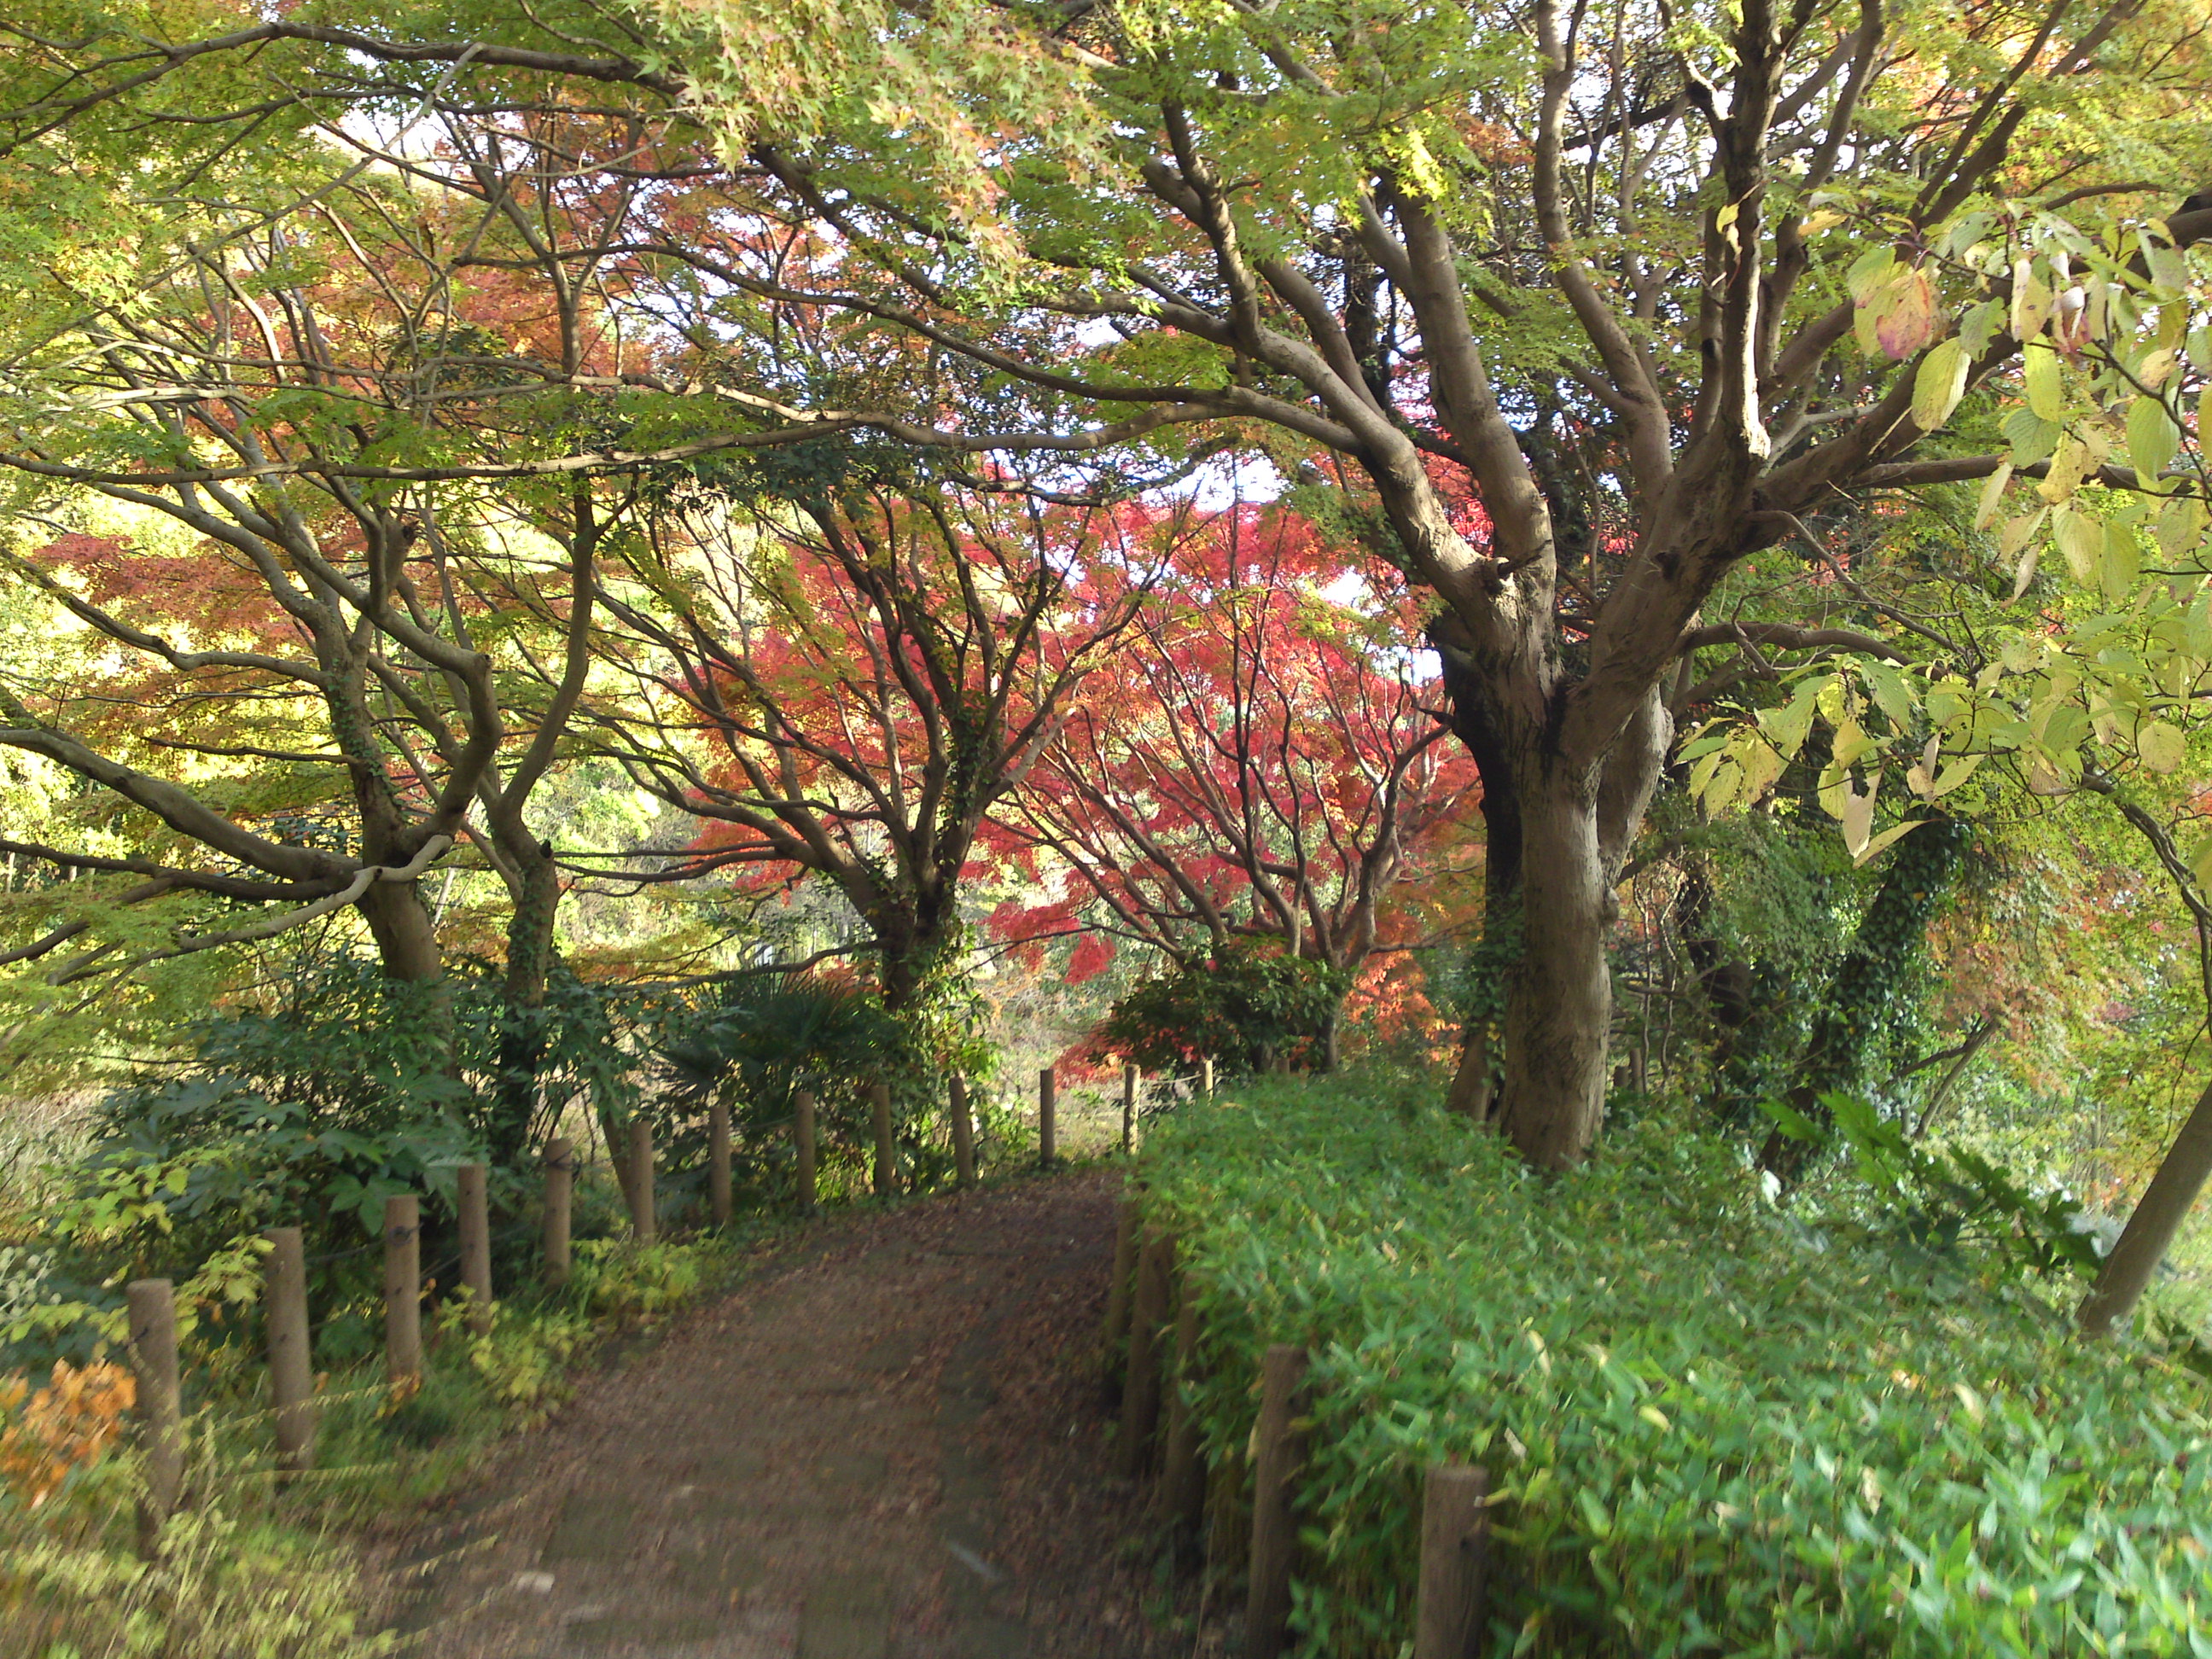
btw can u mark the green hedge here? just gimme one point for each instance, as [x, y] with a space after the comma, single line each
[1719, 1429]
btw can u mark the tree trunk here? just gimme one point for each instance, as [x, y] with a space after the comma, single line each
[1870, 981]
[522, 1038]
[400, 923]
[899, 974]
[2150, 1230]
[1558, 1008]
[1474, 1093]
[1475, 1089]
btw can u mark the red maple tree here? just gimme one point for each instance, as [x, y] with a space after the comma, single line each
[1268, 767]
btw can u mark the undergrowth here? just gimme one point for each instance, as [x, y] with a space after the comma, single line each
[253, 1567]
[1715, 1426]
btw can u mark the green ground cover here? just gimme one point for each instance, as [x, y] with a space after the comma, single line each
[1716, 1426]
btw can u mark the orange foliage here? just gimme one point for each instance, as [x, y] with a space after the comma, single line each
[65, 1426]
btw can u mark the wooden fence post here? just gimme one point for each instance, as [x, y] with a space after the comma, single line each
[1268, 1602]
[718, 1162]
[1454, 1562]
[1047, 1092]
[1205, 1076]
[475, 1244]
[1114, 1348]
[403, 1291]
[802, 1143]
[1141, 1387]
[644, 1224]
[559, 1196]
[152, 1307]
[1180, 1500]
[886, 1170]
[291, 1367]
[1128, 1107]
[963, 1135]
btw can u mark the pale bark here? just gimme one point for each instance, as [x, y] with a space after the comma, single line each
[2151, 1228]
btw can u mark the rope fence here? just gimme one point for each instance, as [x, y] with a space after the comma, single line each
[289, 1332]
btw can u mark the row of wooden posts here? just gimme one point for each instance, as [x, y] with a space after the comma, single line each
[1152, 1324]
[151, 1303]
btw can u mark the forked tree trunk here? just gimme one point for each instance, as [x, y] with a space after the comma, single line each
[1557, 837]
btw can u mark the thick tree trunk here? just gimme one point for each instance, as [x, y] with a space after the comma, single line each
[399, 920]
[2150, 1230]
[899, 972]
[1474, 1090]
[1557, 836]
[406, 938]
[1560, 1008]
[400, 923]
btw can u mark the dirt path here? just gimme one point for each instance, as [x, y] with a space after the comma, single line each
[887, 1444]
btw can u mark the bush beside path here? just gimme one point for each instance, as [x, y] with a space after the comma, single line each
[887, 1443]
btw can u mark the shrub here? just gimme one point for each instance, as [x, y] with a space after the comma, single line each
[525, 1361]
[758, 1040]
[628, 1283]
[314, 1112]
[1243, 1007]
[754, 1046]
[67, 1424]
[1716, 1427]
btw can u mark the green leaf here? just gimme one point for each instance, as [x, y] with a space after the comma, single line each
[1941, 382]
[2153, 439]
[1890, 691]
[2123, 561]
[2200, 862]
[1869, 272]
[2046, 392]
[2080, 538]
[2031, 438]
[1874, 848]
[1793, 1123]
[2180, 528]
[1956, 773]
[1594, 1513]
[2161, 747]
[1786, 727]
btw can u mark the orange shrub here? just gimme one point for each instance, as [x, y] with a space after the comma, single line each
[67, 1424]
